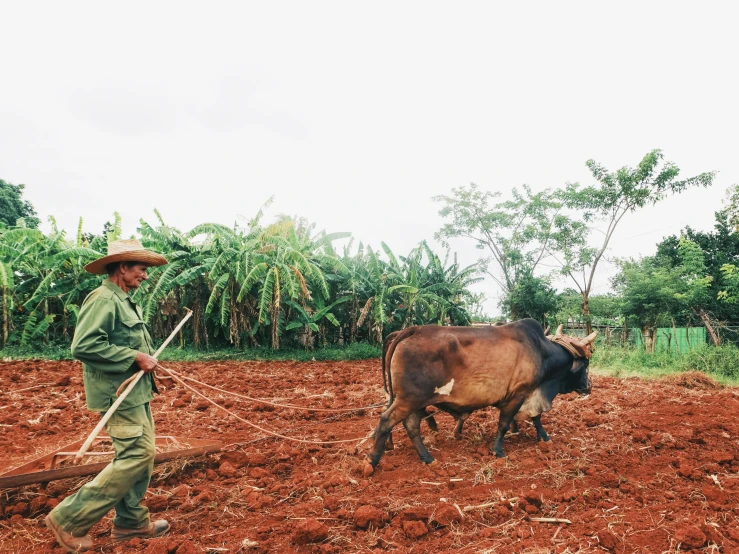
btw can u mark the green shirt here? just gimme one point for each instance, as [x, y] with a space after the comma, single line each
[110, 331]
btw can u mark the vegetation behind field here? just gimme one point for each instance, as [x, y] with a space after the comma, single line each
[718, 362]
[285, 285]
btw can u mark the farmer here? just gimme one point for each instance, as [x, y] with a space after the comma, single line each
[113, 344]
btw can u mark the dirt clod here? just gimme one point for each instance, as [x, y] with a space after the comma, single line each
[446, 514]
[607, 539]
[366, 517]
[414, 529]
[690, 537]
[157, 503]
[309, 531]
[226, 469]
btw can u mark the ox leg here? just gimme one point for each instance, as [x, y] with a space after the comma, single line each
[514, 426]
[389, 419]
[429, 417]
[461, 418]
[507, 413]
[541, 434]
[412, 425]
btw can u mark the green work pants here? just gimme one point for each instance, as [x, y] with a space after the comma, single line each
[122, 484]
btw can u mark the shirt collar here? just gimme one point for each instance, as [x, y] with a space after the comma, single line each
[107, 283]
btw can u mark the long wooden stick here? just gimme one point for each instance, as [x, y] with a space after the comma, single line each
[132, 384]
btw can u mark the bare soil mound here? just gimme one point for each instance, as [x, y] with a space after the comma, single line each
[693, 380]
[636, 466]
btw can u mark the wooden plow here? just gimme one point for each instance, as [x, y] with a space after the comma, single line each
[51, 466]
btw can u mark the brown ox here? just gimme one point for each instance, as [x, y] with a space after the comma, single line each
[532, 408]
[460, 369]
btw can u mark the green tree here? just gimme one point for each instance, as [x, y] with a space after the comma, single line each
[13, 207]
[720, 249]
[514, 234]
[695, 290]
[613, 196]
[309, 319]
[650, 294]
[532, 297]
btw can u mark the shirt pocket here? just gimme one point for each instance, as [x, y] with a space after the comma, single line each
[125, 431]
[134, 331]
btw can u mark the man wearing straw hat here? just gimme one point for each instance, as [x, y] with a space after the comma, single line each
[113, 344]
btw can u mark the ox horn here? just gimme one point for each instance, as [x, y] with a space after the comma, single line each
[546, 331]
[559, 329]
[590, 338]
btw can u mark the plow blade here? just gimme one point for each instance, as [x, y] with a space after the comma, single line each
[46, 468]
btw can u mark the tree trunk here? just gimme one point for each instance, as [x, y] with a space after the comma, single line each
[197, 320]
[648, 334]
[586, 313]
[45, 313]
[376, 337]
[353, 330]
[275, 333]
[706, 320]
[5, 316]
[674, 333]
[275, 325]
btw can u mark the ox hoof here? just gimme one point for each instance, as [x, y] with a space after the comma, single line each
[367, 469]
[432, 463]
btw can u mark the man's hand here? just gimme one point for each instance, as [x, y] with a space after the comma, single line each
[145, 362]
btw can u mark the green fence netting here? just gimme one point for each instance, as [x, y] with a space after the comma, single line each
[680, 339]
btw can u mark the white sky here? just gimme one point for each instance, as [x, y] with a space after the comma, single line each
[355, 114]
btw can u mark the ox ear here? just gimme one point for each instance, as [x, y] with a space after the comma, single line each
[579, 364]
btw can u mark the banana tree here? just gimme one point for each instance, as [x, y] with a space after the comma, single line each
[290, 259]
[310, 319]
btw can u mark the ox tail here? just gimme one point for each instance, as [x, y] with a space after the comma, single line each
[402, 335]
[385, 345]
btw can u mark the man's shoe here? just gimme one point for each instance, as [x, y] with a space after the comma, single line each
[154, 529]
[66, 540]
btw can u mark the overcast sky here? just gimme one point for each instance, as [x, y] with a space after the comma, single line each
[355, 114]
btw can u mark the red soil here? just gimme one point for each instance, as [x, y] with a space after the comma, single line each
[636, 467]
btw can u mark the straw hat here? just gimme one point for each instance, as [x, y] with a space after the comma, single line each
[128, 250]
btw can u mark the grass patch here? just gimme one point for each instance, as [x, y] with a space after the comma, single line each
[720, 363]
[356, 351]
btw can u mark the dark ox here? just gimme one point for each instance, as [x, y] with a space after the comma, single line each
[549, 391]
[461, 369]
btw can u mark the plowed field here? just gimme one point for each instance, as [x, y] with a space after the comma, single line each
[637, 466]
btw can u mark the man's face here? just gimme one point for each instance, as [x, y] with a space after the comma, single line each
[133, 274]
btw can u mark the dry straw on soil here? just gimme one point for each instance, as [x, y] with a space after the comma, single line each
[693, 380]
